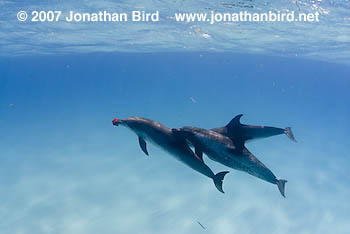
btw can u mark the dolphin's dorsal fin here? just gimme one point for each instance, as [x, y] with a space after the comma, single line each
[143, 145]
[235, 122]
[199, 153]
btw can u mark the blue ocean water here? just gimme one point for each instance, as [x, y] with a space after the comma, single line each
[64, 168]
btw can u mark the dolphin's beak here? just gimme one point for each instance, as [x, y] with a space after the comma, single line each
[116, 122]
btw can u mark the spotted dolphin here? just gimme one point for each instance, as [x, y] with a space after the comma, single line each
[160, 135]
[241, 133]
[222, 149]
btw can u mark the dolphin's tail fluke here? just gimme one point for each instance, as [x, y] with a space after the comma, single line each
[289, 133]
[281, 185]
[218, 179]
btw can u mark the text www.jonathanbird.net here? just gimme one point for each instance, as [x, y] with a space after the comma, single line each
[144, 16]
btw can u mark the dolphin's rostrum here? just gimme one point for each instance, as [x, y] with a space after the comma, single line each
[151, 131]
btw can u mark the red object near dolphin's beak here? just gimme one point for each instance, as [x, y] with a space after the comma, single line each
[116, 122]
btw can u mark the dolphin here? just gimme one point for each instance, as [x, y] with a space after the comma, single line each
[241, 133]
[222, 149]
[152, 131]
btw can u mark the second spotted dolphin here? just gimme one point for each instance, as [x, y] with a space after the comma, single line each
[222, 149]
[149, 130]
[240, 133]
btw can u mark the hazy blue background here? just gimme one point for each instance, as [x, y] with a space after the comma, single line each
[65, 169]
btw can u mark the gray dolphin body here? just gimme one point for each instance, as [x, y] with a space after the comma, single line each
[222, 149]
[149, 130]
[241, 133]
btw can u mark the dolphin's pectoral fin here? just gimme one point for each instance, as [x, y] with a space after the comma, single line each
[234, 123]
[199, 153]
[143, 145]
[239, 144]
